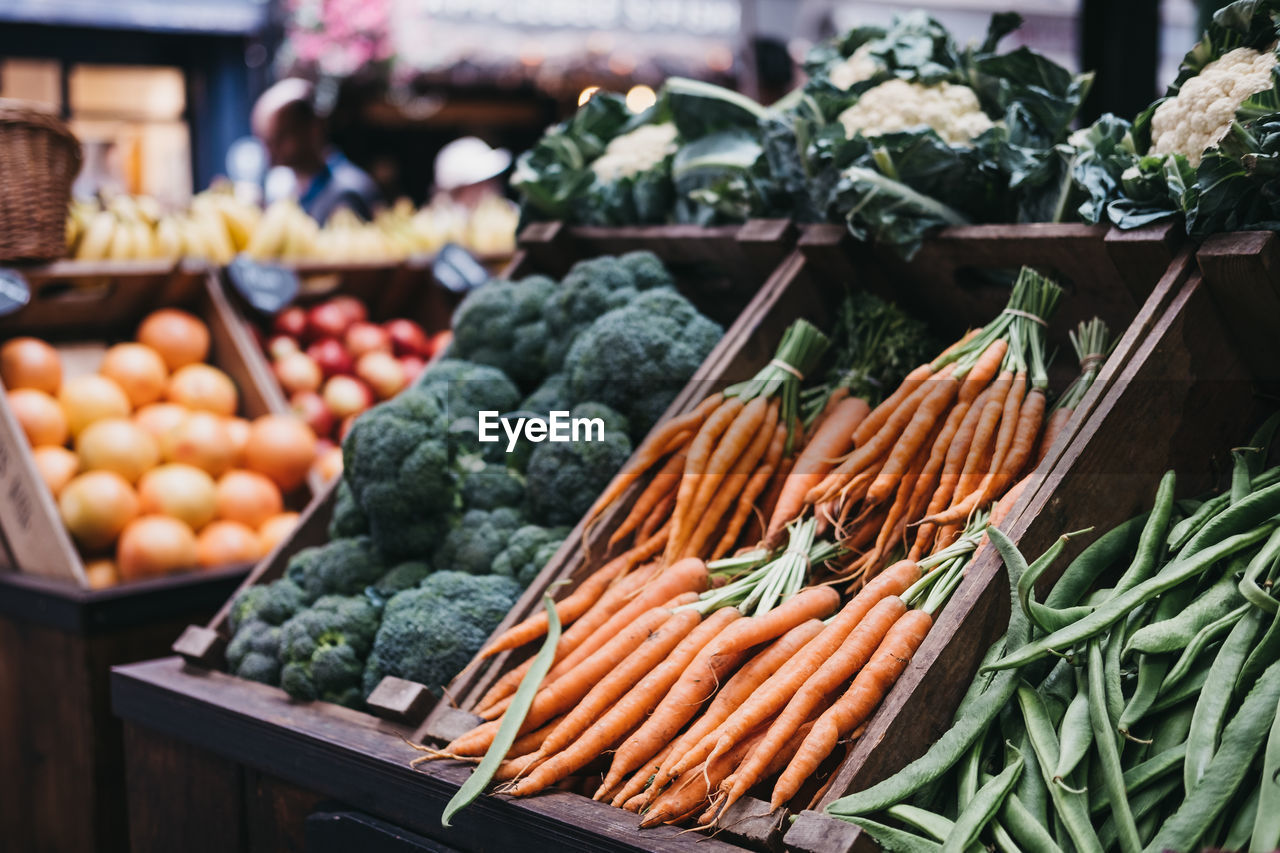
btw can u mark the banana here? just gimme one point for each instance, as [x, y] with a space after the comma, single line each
[168, 238]
[144, 243]
[268, 239]
[215, 236]
[95, 244]
[121, 248]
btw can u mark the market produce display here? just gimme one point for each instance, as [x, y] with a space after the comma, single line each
[1133, 709]
[217, 226]
[152, 469]
[436, 531]
[694, 656]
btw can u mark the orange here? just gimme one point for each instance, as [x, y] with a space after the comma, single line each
[184, 492]
[117, 444]
[180, 338]
[223, 543]
[30, 363]
[96, 506]
[159, 418]
[57, 466]
[202, 440]
[282, 447]
[101, 573]
[40, 416]
[138, 370]
[248, 497]
[202, 387]
[276, 529]
[155, 545]
[86, 399]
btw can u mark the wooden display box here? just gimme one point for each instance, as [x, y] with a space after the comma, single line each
[1194, 385]
[62, 765]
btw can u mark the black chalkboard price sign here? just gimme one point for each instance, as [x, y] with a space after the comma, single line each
[266, 287]
[15, 293]
[457, 270]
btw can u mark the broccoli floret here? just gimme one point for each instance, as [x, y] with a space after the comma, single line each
[430, 633]
[341, 567]
[527, 551]
[552, 395]
[488, 486]
[347, 519]
[398, 461]
[323, 649]
[647, 269]
[467, 387]
[591, 288]
[254, 652]
[479, 537]
[270, 603]
[501, 324]
[402, 577]
[637, 358]
[564, 477]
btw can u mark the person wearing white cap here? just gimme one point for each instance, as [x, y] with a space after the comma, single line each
[285, 119]
[468, 170]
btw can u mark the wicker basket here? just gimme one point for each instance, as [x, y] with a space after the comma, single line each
[39, 158]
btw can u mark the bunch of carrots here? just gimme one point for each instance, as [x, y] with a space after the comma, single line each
[707, 679]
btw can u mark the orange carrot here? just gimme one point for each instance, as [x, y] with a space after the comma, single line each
[735, 441]
[1052, 429]
[943, 389]
[984, 369]
[735, 691]
[750, 492]
[622, 678]
[878, 416]
[658, 516]
[634, 804]
[834, 399]
[852, 656]
[779, 760]
[638, 781]
[857, 704]
[532, 741]
[769, 499]
[664, 482]
[518, 766]
[832, 439]
[699, 454]
[810, 603]
[895, 522]
[689, 795]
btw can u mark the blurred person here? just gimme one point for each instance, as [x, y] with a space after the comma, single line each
[467, 171]
[285, 119]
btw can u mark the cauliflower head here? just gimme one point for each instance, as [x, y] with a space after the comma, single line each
[855, 68]
[635, 152]
[950, 109]
[1196, 119]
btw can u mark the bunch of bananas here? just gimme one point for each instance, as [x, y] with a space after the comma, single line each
[126, 228]
[488, 229]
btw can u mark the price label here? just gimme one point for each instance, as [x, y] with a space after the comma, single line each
[15, 293]
[457, 269]
[266, 287]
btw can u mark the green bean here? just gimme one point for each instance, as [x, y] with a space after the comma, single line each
[1111, 677]
[1182, 532]
[981, 712]
[1152, 669]
[1072, 809]
[1004, 841]
[1026, 828]
[1144, 809]
[1267, 650]
[1117, 608]
[1211, 708]
[980, 683]
[934, 825]
[1260, 443]
[1251, 513]
[981, 810]
[1204, 638]
[1170, 635]
[1104, 735]
[1187, 687]
[897, 840]
[1089, 564]
[1171, 729]
[1059, 684]
[1151, 542]
[967, 786]
[1031, 792]
[1241, 740]
[1240, 485]
[1266, 827]
[1047, 618]
[1261, 562]
[1075, 734]
[1241, 827]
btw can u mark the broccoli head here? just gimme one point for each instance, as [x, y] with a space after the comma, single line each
[636, 359]
[430, 633]
[323, 649]
[466, 387]
[347, 519]
[528, 550]
[270, 603]
[397, 460]
[402, 577]
[501, 324]
[564, 477]
[647, 269]
[479, 537]
[341, 567]
[488, 486]
[254, 652]
[592, 287]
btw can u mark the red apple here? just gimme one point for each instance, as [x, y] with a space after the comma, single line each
[332, 356]
[413, 367]
[291, 321]
[281, 345]
[439, 341]
[346, 396]
[311, 407]
[352, 307]
[328, 320]
[383, 373]
[363, 337]
[298, 371]
[407, 338]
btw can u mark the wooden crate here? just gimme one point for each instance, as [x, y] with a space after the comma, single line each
[1187, 392]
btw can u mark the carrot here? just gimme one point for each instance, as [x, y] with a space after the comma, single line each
[895, 523]
[918, 431]
[633, 805]
[690, 793]
[852, 656]
[1006, 504]
[750, 492]
[982, 444]
[658, 516]
[513, 768]
[646, 695]
[984, 369]
[532, 741]
[812, 602]
[735, 691]
[857, 704]
[878, 416]
[733, 444]
[774, 693]
[1052, 429]
[779, 760]
[650, 451]
[720, 490]
[613, 599]
[665, 481]
[699, 454]
[834, 399]
[638, 781]
[829, 441]
[559, 696]
[621, 679]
